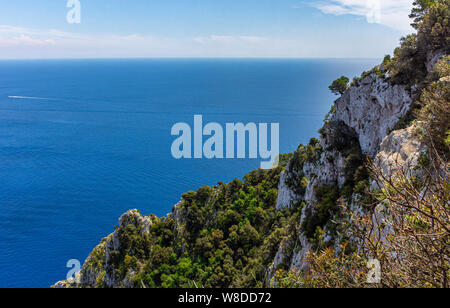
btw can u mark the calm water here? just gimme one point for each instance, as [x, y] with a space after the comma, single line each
[81, 142]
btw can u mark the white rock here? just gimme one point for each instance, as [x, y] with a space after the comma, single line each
[372, 109]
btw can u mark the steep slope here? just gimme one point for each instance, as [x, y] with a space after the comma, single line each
[359, 121]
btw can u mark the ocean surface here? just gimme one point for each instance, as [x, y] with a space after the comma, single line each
[83, 141]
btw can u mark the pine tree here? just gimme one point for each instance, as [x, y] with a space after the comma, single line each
[419, 10]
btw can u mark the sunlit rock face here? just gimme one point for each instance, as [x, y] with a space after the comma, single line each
[365, 115]
[372, 108]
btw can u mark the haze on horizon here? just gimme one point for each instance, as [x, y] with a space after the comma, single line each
[203, 28]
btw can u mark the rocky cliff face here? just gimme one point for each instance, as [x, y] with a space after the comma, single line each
[363, 120]
[98, 269]
[372, 108]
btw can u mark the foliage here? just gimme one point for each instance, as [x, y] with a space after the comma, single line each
[435, 111]
[408, 65]
[323, 210]
[224, 236]
[434, 30]
[419, 10]
[328, 269]
[339, 85]
[284, 159]
[412, 225]
[379, 71]
[297, 181]
[387, 59]
[432, 21]
[330, 114]
[408, 233]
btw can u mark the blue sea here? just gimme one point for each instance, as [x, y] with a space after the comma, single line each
[83, 141]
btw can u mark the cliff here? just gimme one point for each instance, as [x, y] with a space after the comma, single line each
[361, 123]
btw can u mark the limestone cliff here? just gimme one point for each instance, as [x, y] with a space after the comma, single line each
[363, 117]
[98, 269]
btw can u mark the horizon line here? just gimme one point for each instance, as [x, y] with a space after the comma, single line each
[194, 58]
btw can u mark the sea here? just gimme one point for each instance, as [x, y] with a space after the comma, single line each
[83, 141]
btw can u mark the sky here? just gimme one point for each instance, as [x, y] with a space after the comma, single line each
[31, 29]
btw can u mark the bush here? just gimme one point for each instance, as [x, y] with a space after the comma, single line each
[339, 85]
[408, 67]
[435, 112]
[324, 209]
[219, 239]
[434, 30]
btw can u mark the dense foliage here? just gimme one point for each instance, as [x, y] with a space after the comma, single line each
[419, 10]
[224, 236]
[435, 109]
[432, 21]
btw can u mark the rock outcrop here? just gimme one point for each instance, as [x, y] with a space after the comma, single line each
[400, 148]
[98, 269]
[363, 119]
[373, 108]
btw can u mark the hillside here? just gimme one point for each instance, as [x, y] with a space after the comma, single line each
[373, 186]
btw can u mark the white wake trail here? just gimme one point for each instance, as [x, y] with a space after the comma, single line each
[28, 97]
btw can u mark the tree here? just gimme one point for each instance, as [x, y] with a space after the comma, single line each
[435, 108]
[339, 85]
[433, 34]
[434, 29]
[419, 10]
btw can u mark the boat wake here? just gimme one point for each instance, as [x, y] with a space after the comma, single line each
[28, 97]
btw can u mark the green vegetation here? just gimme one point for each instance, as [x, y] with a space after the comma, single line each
[380, 73]
[297, 181]
[435, 107]
[421, 239]
[419, 10]
[342, 139]
[339, 86]
[323, 210]
[408, 66]
[224, 236]
[432, 21]
[330, 115]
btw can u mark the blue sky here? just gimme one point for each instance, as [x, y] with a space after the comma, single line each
[203, 28]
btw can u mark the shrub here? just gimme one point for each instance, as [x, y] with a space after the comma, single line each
[419, 10]
[432, 20]
[435, 103]
[339, 85]
[434, 30]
